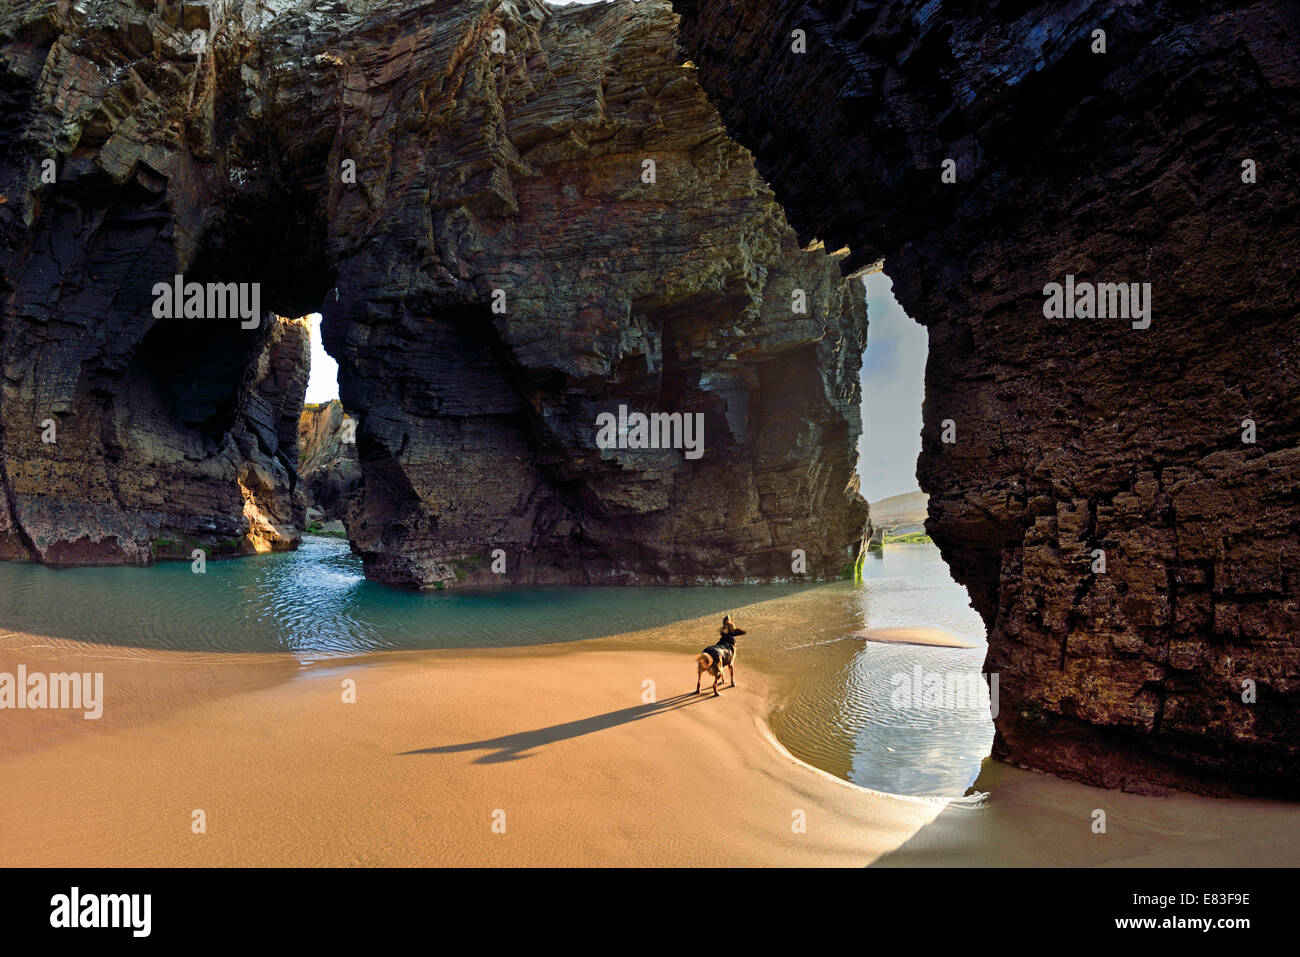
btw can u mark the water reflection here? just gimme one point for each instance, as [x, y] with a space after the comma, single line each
[836, 696]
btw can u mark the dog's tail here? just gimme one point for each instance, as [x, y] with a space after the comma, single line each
[705, 662]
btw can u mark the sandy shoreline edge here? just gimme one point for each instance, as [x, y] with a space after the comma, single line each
[928, 637]
[546, 755]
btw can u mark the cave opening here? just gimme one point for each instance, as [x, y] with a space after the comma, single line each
[928, 726]
[329, 473]
[205, 404]
[194, 370]
[323, 375]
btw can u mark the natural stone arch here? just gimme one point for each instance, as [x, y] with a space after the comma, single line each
[1084, 435]
[384, 165]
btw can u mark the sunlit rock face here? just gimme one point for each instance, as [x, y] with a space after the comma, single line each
[1081, 438]
[514, 218]
[328, 472]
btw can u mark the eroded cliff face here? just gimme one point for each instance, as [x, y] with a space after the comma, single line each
[464, 190]
[1076, 437]
[539, 237]
[125, 438]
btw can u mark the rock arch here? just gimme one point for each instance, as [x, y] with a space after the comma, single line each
[1080, 435]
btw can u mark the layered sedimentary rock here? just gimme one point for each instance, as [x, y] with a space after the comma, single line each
[544, 235]
[124, 437]
[514, 218]
[1166, 156]
[328, 472]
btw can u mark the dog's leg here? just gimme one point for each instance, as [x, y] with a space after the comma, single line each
[732, 669]
[716, 678]
[698, 672]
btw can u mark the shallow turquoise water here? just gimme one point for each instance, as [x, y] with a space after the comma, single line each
[848, 706]
[315, 603]
[837, 695]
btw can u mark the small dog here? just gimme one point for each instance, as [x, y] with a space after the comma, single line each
[717, 656]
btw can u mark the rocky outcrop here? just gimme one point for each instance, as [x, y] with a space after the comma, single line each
[514, 218]
[111, 459]
[545, 235]
[328, 472]
[123, 437]
[876, 542]
[1170, 451]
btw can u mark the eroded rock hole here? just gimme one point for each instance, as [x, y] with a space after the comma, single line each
[329, 472]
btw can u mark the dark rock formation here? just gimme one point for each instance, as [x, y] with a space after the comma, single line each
[393, 165]
[125, 438]
[329, 474]
[523, 172]
[1076, 437]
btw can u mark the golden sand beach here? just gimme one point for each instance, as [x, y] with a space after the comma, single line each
[551, 755]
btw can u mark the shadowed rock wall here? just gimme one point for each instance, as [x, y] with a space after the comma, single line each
[404, 169]
[125, 438]
[526, 172]
[1076, 437]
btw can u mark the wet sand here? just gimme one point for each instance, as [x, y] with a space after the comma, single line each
[564, 748]
[931, 637]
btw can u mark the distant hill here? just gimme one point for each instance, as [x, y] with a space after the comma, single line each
[900, 514]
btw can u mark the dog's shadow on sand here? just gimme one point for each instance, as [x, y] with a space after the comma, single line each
[511, 747]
